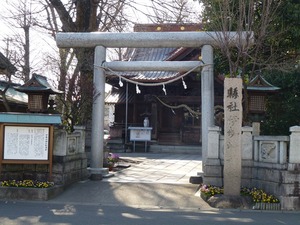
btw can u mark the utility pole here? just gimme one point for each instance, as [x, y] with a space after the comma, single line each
[7, 41]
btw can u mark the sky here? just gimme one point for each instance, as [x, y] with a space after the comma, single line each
[42, 43]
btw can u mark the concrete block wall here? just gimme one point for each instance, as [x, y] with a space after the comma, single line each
[213, 166]
[69, 157]
[25, 171]
[68, 169]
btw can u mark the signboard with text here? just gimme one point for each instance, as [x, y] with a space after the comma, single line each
[26, 143]
[140, 133]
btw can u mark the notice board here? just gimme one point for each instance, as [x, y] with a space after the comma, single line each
[140, 133]
[27, 138]
[26, 143]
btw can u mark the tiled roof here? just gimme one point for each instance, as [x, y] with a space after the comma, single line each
[38, 83]
[157, 54]
[118, 96]
[258, 83]
[5, 65]
[149, 54]
[12, 95]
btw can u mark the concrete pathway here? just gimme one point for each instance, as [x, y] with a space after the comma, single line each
[152, 181]
[157, 168]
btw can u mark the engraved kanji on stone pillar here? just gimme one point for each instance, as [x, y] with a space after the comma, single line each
[232, 136]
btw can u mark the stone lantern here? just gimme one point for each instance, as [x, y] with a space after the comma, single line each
[258, 89]
[38, 90]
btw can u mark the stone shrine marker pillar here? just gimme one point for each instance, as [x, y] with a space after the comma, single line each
[232, 136]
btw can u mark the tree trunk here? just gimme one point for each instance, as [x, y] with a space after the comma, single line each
[27, 54]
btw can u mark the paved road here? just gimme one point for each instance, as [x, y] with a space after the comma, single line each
[43, 213]
[153, 191]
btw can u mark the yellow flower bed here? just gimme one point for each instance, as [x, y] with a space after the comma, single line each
[26, 183]
[257, 195]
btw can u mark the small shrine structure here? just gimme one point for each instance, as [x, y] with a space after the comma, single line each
[258, 90]
[38, 90]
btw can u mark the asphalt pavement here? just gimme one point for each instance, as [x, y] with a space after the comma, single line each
[155, 189]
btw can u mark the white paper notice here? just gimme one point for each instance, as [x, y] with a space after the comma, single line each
[140, 134]
[26, 143]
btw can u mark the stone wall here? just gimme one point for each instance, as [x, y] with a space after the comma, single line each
[268, 162]
[25, 171]
[69, 156]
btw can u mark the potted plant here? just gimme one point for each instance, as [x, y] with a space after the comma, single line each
[110, 160]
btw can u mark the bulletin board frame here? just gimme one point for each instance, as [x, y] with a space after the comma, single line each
[46, 158]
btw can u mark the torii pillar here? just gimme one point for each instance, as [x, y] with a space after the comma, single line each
[207, 98]
[97, 138]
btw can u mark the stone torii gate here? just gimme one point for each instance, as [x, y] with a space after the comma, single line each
[100, 41]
